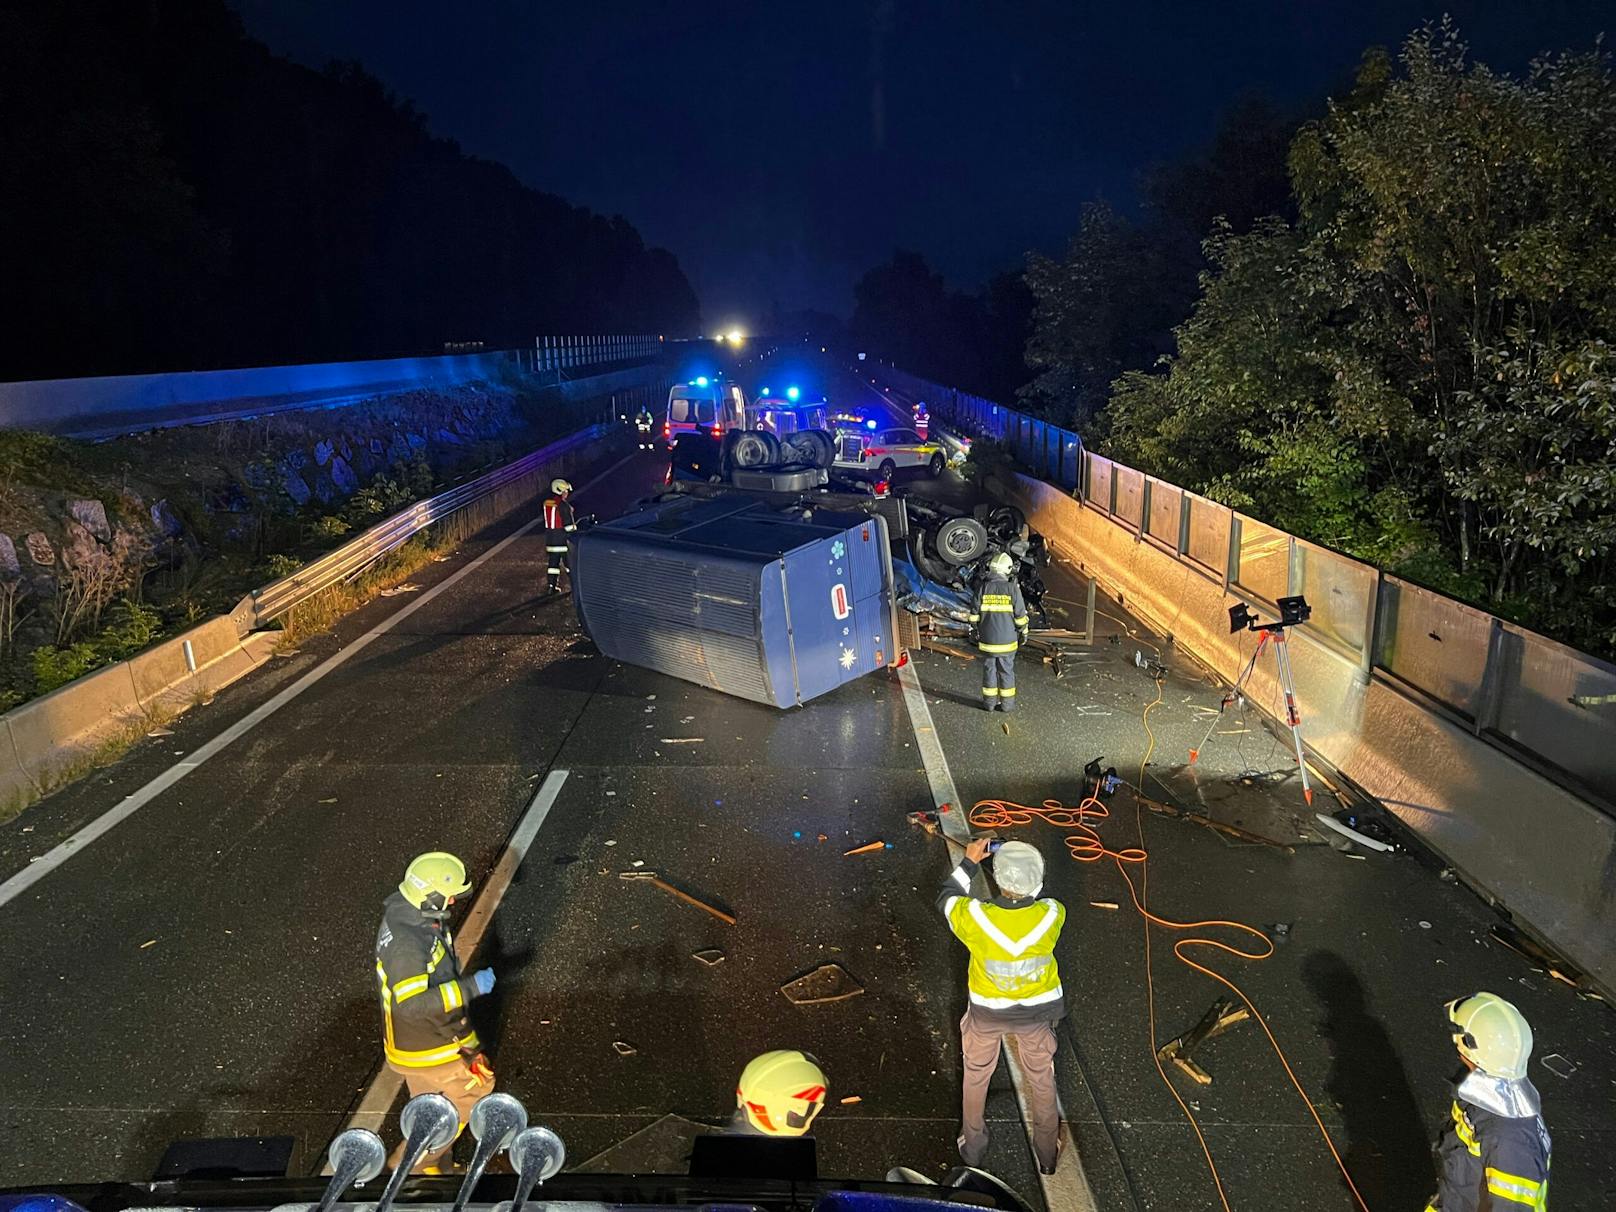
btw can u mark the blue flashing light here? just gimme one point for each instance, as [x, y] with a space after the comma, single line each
[701, 381]
[765, 391]
[792, 393]
[870, 424]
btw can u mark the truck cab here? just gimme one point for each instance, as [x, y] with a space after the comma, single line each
[704, 405]
[783, 418]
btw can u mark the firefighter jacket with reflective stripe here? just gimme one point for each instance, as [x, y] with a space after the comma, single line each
[1012, 946]
[423, 994]
[999, 614]
[1489, 1161]
[558, 518]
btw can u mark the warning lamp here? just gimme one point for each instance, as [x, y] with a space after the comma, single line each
[881, 488]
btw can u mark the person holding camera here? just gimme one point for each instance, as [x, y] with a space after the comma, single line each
[1014, 988]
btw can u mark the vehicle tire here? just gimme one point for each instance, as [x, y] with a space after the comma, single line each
[1007, 522]
[826, 442]
[753, 448]
[961, 540]
[935, 468]
[886, 471]
[810, 446]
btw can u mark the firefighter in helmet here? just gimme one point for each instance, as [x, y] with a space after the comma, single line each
[1494, 1152]
[779, 1094]
[559, 522]
[426, 1034]
[1000, 616]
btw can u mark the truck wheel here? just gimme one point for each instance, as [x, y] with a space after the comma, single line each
[810, 446]
[935, 467]
[826, 441]
[1007, 522]
[754, 448]
[961, 540]
[887, 470]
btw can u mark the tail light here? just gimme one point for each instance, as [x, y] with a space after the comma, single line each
[718, 431]
[667, 428]
[881, 488]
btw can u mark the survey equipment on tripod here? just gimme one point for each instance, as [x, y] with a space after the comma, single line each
[1292, 611]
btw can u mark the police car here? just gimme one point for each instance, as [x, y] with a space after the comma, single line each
[883, 452]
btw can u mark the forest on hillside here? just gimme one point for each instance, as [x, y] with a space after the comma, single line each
[175, 196]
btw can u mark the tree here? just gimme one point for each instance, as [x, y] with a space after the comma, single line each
[1419, 369]
[1110, 303]
[178, 197]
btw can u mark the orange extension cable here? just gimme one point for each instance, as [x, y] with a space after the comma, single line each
[1085, 846]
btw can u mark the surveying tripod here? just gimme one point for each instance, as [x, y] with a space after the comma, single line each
[1292, 611]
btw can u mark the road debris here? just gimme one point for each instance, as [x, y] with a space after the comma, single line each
[624, 1048]
[851, 1100]
[651, 877]
[925, 820]
[683, 740]
[407, 587]
[1223, 1014]
[1543, 960]
[147, 943]
[711, 956]
[332, 800]
[1103, 904]
[867, 848]
[1559, 1065]
[826, 983]
[161, 731]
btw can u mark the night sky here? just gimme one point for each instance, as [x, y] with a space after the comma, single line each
[781, 149]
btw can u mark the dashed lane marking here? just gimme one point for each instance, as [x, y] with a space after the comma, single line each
[42, 866]
[384, 1088]
[1066, 1190]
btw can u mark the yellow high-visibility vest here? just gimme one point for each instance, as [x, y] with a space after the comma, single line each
[1012, 950]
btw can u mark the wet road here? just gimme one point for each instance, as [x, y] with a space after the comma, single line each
[205, 969]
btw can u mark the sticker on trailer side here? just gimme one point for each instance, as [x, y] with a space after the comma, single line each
[839, 603]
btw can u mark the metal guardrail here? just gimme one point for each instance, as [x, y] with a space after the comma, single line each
[1544, 703]
[265, 605]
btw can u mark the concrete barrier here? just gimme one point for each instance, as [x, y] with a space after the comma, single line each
[119, 404]
[49, 739]
[1534, 847]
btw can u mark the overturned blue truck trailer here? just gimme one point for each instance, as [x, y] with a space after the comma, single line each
[777, 604]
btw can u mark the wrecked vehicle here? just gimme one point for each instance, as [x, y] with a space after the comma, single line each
[778, 581]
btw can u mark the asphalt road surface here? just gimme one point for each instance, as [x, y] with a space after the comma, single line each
[205, 969]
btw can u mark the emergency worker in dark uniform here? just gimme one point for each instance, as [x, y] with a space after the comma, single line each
[1493, 1155]
[1000, 616]
[427, 1037]
[559, 522]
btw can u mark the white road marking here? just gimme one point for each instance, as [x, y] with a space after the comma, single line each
[1066, 1190]
[384, 1088]
[42, 866]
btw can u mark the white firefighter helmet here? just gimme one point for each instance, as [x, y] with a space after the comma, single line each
[560, 487]
[1001, 565]
[1491, 1034]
